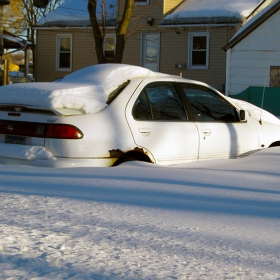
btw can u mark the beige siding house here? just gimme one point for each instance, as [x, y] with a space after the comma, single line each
[170, 36]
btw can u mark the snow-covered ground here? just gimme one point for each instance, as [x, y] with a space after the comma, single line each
[203, 220]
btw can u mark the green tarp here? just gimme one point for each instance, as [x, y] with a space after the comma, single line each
[255, 95]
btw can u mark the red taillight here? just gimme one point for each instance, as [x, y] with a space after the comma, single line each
[63, 131]
[41, 130]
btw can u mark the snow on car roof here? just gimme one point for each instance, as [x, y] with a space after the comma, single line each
[86, 89]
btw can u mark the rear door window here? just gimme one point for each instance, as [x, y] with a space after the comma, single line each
[159, 102]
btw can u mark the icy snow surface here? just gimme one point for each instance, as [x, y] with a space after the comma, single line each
[86, 89]
[213, 8]
[203, 220]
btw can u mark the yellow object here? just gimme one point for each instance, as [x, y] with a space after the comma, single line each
[13, 67]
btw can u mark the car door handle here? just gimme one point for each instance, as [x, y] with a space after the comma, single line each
[206, 132]
[144, 131]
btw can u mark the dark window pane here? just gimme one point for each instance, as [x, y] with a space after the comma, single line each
[199, 58]
[141, 109]
[199, 43]
[165, 103]
[64, 61]
[209, 106]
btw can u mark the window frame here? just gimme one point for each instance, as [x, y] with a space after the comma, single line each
[58, 52]
[191, 36]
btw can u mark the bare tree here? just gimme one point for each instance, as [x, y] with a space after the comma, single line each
[21, 15]
[99, 29]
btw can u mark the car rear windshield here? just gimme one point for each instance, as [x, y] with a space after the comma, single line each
[116, 92]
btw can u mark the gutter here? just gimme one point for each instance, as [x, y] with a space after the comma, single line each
[198, 25]
[67, 27]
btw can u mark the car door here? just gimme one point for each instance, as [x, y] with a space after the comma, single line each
[221, 133]
[160, 124]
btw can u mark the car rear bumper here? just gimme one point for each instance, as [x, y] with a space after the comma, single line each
[14, 154]
[59, 162]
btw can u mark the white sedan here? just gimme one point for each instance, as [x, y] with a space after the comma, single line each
[106, 114]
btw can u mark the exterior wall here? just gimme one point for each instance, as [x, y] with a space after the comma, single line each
[169, 5]
[174, 50]
[83, 52]
[173, 47]
[250, 60]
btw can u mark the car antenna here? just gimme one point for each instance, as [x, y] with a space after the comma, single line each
[260, 121]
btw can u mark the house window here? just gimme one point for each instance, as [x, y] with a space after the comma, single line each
[274, 76]
[198, 50]
[64, 53]
[109, 47]
[141, 2]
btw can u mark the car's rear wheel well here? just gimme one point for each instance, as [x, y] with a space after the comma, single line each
[275, 144]
[132, 156]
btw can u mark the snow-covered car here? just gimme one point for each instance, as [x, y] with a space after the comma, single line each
[107, 114]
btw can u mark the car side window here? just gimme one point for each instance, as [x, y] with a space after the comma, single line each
[159, 102]
[141, 109]
[208, 106]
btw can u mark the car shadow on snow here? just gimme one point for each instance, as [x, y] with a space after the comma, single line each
[145, 190]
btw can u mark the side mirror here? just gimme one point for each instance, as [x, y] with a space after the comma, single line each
[242, 115]
[41, 3]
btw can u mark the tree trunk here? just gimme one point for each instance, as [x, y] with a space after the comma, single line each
[97, 34]
[120, 44]
[100, 32]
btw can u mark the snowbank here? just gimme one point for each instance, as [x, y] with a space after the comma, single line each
[214, 220]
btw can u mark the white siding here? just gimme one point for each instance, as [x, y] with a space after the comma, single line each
[252, 57]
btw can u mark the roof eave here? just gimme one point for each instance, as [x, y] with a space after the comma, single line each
[201, 21]
[71, 24]
[252, 27]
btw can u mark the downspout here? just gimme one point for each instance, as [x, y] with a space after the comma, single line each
[228, 67]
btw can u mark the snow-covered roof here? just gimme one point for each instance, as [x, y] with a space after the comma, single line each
[86, 89]
[210, 12]
[12, 41]
[253, 23]
[74, 13]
